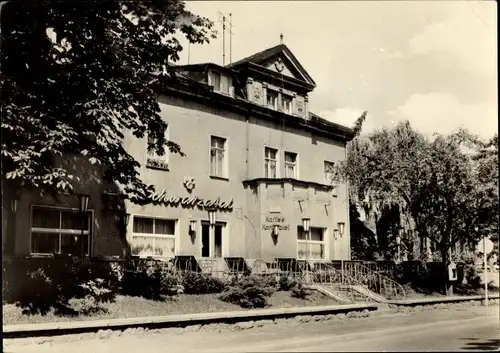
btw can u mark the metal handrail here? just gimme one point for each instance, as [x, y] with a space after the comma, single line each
[397, 289]
[333, 276]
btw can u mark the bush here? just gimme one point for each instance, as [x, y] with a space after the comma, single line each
[202, 283]
[472, 277]
[248, 292]
[286, 283]
[150, 281]
[300, 291]
[37, 285]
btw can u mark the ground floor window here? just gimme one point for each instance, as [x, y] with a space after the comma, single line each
[59, 231]
[316, 244]
[153, 237]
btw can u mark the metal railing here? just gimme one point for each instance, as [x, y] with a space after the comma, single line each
[324, 274]
[374, 280]
[327, 276]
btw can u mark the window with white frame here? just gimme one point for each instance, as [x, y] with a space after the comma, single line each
[154, 159]
[316, 244]
[59, 231]
[218, 159]
[270, 163]
[220, 82]
[272, 99]
[153, 237]
[291, 169]
[329, 168]
[286, 103]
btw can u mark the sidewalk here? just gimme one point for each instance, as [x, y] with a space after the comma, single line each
[154, 322]
[441, 300]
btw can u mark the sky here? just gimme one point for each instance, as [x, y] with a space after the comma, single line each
[433, 63]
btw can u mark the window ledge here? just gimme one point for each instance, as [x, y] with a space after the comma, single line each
[165, 169]
[218, 177]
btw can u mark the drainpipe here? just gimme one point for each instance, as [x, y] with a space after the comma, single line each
[348, 230]
[247, 146]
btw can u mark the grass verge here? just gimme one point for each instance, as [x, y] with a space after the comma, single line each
[126, 307]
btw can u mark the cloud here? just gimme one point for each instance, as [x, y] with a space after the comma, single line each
[466, 38]
[347, 117]
[443, 113]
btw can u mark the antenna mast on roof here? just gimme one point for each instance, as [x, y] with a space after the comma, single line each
[230, 37]
[223, 19]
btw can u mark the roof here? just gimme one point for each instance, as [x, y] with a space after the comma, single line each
[201, 67]
[266, 54]
[199, 91]
[327, 123]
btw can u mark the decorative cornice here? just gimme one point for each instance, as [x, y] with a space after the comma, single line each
[204, 94]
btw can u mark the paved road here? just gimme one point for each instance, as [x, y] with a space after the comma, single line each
[465, 329]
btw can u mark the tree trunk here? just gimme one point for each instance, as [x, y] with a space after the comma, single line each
[446, 257]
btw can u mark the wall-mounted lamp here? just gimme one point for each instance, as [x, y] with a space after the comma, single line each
[211, 217]
[84, 202]
[192, 225]
[276, 229]
[341, 227]
[14, 204]
[335, 233]
[306, 223]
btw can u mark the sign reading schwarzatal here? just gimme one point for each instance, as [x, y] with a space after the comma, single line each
[191, 201]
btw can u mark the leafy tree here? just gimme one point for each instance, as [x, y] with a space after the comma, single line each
[75, 75]
[363, 242]
[441, 190]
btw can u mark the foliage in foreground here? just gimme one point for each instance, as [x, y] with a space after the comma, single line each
[248, 292]
[40, 286]
[150, 282]
[202, 283]
[75, 75]
[300, 291]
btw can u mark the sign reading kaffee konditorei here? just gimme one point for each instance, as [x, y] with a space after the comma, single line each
[271, 221]
[191, 201]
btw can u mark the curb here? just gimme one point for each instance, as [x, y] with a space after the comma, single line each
[156, 322]
[444, 300]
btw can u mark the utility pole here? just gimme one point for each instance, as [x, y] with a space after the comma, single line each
[485, 263]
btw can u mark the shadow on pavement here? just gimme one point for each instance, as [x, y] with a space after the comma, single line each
[480, 345]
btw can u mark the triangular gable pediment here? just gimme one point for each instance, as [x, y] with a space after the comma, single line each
[279, 58]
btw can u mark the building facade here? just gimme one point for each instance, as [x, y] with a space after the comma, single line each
[257, 163]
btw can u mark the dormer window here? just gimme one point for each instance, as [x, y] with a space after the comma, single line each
[220, 82]
[272, 99]
[286, 103]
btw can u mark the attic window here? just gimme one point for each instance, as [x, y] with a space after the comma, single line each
[272, 99]
[220, 82]
[286, 103]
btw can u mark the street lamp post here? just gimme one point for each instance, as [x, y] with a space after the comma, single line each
[485, 264]
[305, 225]
[84, 205]
[211, 218]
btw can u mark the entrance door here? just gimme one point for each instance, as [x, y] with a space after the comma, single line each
[205, 240]
[218, 240]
